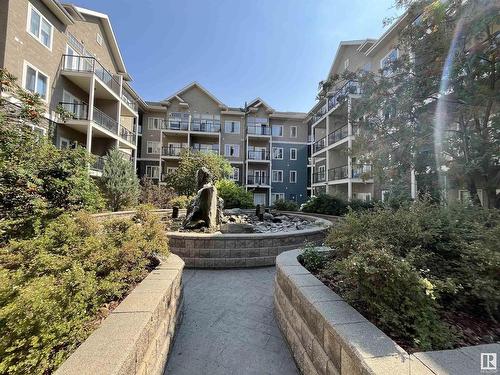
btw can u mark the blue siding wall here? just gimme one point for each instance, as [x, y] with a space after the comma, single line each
[299, 189]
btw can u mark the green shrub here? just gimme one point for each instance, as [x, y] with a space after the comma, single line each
[359, 205]
[285, 205]
[157, 195]
[180, 201]
[56, 287]
[234, 195]
[312, 259]
[325, 204]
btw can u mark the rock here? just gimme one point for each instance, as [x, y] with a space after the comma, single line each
[268, 216]
[233, 211]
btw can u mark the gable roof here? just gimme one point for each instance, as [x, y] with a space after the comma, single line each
[110, 35]
[191, 85]
[389, 33]
[341, 47]
[57, 8]
[259, 102]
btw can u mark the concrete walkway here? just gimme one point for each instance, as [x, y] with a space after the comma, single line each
[229, 325]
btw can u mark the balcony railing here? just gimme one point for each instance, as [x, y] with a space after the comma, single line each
[338, 173]
[98, 164]
[319, 144]
[363, 171]
[172, 150]
[259, 130]
[205, 126]
[258, 155]
[74, 63]
[338, 135]
[131, 102]
[127, 135]
[319, 177]
[175, 125]
[105, 121]
[79, 111]
[257, 180]
[350, 87]
[206, 150]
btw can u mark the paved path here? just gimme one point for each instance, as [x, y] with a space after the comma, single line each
[229, 325]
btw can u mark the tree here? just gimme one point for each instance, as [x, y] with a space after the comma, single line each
[119, 181]
[159, 196]
[183, 179]
[437, 103]
[234, 196]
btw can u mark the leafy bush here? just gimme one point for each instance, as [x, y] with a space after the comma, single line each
[119, 181]
[325, 204]
[183, 179]
[180, 201]
[157, 195]
[56, 287]
[359, 205]
[284, 205]
[449, 254]
[312, 259]
[234, 195]
[39, 182]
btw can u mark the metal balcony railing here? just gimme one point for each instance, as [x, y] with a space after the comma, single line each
[259, 130]
[319, 144]
[98, 164]
[74, 63]
[79, 111]
[207, 150]
[338, 135]
[257, 180]
[258, 155]
[105, 121]
[338, 173]
[127, 135]
[175, 125]
[131, 102]
[319, 177]
[363, 171]
[205, 126]
[172, 150]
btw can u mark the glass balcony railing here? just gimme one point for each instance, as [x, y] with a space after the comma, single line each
[319, 144]
[127, 135]
[131, 102]
[75, 63]
[172, 150]
[257, 180]
[175, 125]
[98, 164]
[79, 111]
[259, 130]
[258, 155]
[338, 135]
[207, 150]
[105, 121]
[205, 126]
[338, 173]
[363, 171]
[319, 177]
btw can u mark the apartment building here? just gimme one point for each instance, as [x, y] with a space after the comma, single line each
[69, 55]
[334, 170]
[267, 148]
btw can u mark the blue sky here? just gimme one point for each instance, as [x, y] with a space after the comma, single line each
[238, 49]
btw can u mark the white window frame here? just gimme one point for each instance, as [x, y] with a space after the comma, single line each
[99, 39]
[291, 133]
[290, 177]
[61, 140]
[150, 171]
[322, 170]
[155, 146]
[274, 127]
[232, 124]
[278, 173]
[171, 169]
[236, 174]
[384, 195]
[151, 123]
[236, 148]
[293, 158]
[276, 196]
[384, 72]
[38, 37]
[282, 152]
[26, 64]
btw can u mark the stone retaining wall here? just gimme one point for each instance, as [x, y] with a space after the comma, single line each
[328, 336]
[137, 336]
[217, 250]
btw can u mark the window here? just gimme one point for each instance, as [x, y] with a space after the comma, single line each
[152, 171]
[154, 123]
[278, 153]
[99, 39]
[276, 196]
[64, 143]
[464, 196]
[232, 127]
[385, 63]
[346, 63]
[365, 197]
[385, 195]
[277, 130]
[232, 150]
[236, 174]
[293, 154]
[35, 81]
[321, 171]
[171, 169]
[277, 176]
[153, 147]
[293, 177]
[39, 27]
[293, 131]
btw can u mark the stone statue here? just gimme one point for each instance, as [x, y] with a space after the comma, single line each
[205, 210]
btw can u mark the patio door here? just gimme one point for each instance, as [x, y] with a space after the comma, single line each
[259, 198]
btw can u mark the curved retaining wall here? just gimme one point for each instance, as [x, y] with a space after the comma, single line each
[137, 336]
[217, 250]
[328, 336]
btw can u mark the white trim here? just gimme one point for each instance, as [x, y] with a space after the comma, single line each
[282, 131]
[152, 169]
[236, 149]
[291, 143]
[153, 147]
[31, 8]
[296, 131]
[231, 122]
[290, 176]
[25, 65]
[62, 139]
[282, 153]
[276, 196]
[291, 153]
[277, 171]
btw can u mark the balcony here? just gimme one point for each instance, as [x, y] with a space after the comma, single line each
[207, 150]
[338, 135]
[349, 88]
[259, 155]
[78, 111]
[363, 171]
[338, 173]
[258, 180]
[319, 145]
[127, 135]
[88, 64]
[108, 123]
[129, 101]
[175, 125]
[260, 130]
[319, 177]
[205, 126]
[173, 151]
[97, 167]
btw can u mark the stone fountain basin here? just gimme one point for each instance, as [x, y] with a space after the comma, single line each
[236, 250]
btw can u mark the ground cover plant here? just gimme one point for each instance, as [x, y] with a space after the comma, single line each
[425, 274]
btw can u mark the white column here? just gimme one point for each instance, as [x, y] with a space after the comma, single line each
[327, 153]
[349, 147]
[90, 114]
[119, 111]
[413, 184]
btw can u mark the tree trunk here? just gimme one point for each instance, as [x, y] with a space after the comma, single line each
[473, 193]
